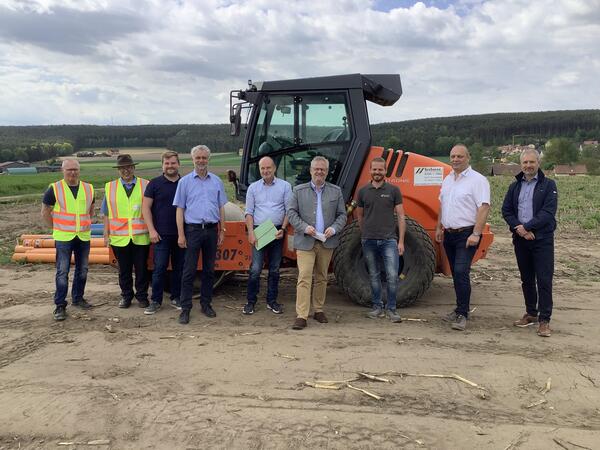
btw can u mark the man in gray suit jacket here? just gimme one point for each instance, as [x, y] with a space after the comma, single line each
[318, 214]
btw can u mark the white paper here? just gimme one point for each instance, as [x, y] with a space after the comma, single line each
[320, 236]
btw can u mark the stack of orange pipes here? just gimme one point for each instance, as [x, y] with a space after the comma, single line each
[40, 248]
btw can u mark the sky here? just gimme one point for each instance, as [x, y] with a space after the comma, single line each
[129, 62]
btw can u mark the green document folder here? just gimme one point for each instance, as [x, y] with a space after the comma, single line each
[264, 233]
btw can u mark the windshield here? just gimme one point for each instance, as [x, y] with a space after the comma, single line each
[293, 129]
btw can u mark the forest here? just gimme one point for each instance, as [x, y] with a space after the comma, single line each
[432, 136]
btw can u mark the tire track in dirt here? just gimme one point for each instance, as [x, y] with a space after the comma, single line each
[17, 349]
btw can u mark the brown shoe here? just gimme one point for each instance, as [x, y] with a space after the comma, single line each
[320, 317]
[544, 329]
[299, 324]
[525, 321]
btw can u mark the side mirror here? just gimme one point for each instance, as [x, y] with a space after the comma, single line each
[232, 178]
[235, 119]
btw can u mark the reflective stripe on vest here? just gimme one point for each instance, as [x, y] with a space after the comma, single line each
[70, 215]
[123, 220]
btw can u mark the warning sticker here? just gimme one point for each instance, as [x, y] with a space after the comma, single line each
[428, 176]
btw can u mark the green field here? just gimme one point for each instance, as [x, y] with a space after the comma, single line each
[578, 202]
[99, 171]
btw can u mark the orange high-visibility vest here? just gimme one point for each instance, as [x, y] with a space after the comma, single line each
[71, 216]
[125, 220]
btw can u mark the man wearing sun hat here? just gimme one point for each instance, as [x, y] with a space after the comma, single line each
[126, 231]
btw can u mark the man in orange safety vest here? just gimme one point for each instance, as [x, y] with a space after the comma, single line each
[67, 207]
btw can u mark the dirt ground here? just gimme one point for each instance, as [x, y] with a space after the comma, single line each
[238, 382]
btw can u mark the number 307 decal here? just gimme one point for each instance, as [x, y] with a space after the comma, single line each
[226, 254]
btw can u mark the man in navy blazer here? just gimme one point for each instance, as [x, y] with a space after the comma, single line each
[529, 209]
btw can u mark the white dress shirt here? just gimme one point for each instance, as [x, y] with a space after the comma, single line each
[461, 196]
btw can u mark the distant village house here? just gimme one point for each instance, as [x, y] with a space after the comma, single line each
[562, 170]
[11, 165]
[510, 169]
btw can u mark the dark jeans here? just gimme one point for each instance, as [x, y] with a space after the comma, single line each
[536, 264]
[81, 251]
[273, 251]
[386, 252]
[133, 257]
[205, 240]
[460, 258]
[164, 250]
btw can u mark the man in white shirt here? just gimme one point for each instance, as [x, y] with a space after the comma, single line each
[464, 207]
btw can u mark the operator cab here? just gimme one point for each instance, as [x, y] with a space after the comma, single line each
[293, 121]
[323, 129]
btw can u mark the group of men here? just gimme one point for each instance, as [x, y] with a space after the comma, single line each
[137, 212]
[184, 217]
[529, 209]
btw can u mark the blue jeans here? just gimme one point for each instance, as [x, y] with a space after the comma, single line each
[274, 252]
[385, 251]
[81, 251]
[205, 240]
[460, 258]
[164, 250]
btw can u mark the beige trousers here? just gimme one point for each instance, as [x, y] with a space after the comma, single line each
[312, 261]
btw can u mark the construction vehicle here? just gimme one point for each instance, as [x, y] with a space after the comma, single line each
[292, 121]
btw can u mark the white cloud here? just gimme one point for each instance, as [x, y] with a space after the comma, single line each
[174, 61]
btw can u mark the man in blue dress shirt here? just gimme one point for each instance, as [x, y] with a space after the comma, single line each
[529, 209]
[200, 199]
[266, 199]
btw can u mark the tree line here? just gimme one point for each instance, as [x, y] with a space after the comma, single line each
[432, 137]
[21, 142]
[436, 136]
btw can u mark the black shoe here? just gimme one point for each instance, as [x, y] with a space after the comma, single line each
[248, 309]
[154, 307]
[275, 308]
[124, 303]
[184, 317]
[175, 303]
[208, 311]
[82, 304]
[60, 313]
[143, 303]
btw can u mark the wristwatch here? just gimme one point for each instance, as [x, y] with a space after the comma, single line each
[476, 234]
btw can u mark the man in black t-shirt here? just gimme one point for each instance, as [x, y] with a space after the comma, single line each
[159, 215]
[380, 215]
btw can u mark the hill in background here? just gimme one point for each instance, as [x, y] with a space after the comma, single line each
[433, 136]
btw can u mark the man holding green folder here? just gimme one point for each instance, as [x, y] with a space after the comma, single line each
[266, 220]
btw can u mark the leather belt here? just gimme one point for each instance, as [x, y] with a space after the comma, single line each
[459, 230]
[202, 226]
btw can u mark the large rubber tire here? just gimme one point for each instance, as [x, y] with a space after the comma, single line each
[416, 267]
